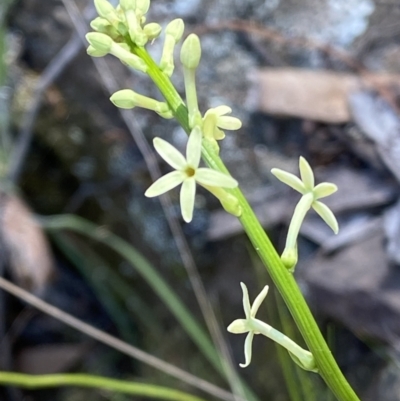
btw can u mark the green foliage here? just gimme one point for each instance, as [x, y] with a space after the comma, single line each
[147, 271]
[82, 380]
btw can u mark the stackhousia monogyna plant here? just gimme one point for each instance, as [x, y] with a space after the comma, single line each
[124, 32]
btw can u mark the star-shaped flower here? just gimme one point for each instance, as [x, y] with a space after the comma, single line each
[187, 172]
[253, 326]
[306, 186]
[310, 199]
[240, 326]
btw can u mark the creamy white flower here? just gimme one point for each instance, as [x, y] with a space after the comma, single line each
[306, 186]
[253, 326]
[240, 326]
[187, 172]
[310, 199]
[215, 121]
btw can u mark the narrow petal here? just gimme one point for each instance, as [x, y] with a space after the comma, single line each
[247, 350]
[246, 301]
[221, 110]
[165, 183]
[258, 301]
[230, 123]
[289, 179]
[188, 193]
[327, 215]
[213, 178]
[218, 134]
[238, 326]
[306, 173]
[193, 148]
[324, 189]
[171, 155]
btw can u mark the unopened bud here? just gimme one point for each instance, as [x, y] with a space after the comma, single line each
[106, 10]
[191, 52]
[100, 24]
[100, 41]
[175, 28]
[128, 99]
[127, 4]
[92, 51]
[173, 33]
[135, 30]
[152, 30]
[142, 6]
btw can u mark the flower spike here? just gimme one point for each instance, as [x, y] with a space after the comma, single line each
[253, 326]
[187, 172]
[310, 199]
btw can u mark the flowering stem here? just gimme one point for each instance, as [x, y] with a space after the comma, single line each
[282, 278]
[165, 86]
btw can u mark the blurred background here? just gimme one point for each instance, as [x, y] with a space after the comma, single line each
[317, 78]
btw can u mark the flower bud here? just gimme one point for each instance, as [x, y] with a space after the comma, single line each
[135, 30]
[124, 99]
[106, 10]
[127, 4]
[92, 51]
[142, 6]
[100, 24]
[100, 41]
[152, 30]
[191, 52]
[175, 28]
[128, 99]
[173, 32]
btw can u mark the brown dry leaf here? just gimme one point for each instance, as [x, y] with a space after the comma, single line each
[25, 246]
[309, 94]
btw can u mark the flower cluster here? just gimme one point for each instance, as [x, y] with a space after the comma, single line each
[310, 199]
[122, 32]
[253, 326]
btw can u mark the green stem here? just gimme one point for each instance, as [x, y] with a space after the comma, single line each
[282, 278]
[84, 380]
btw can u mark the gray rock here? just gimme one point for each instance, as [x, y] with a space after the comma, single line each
[358, 287]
